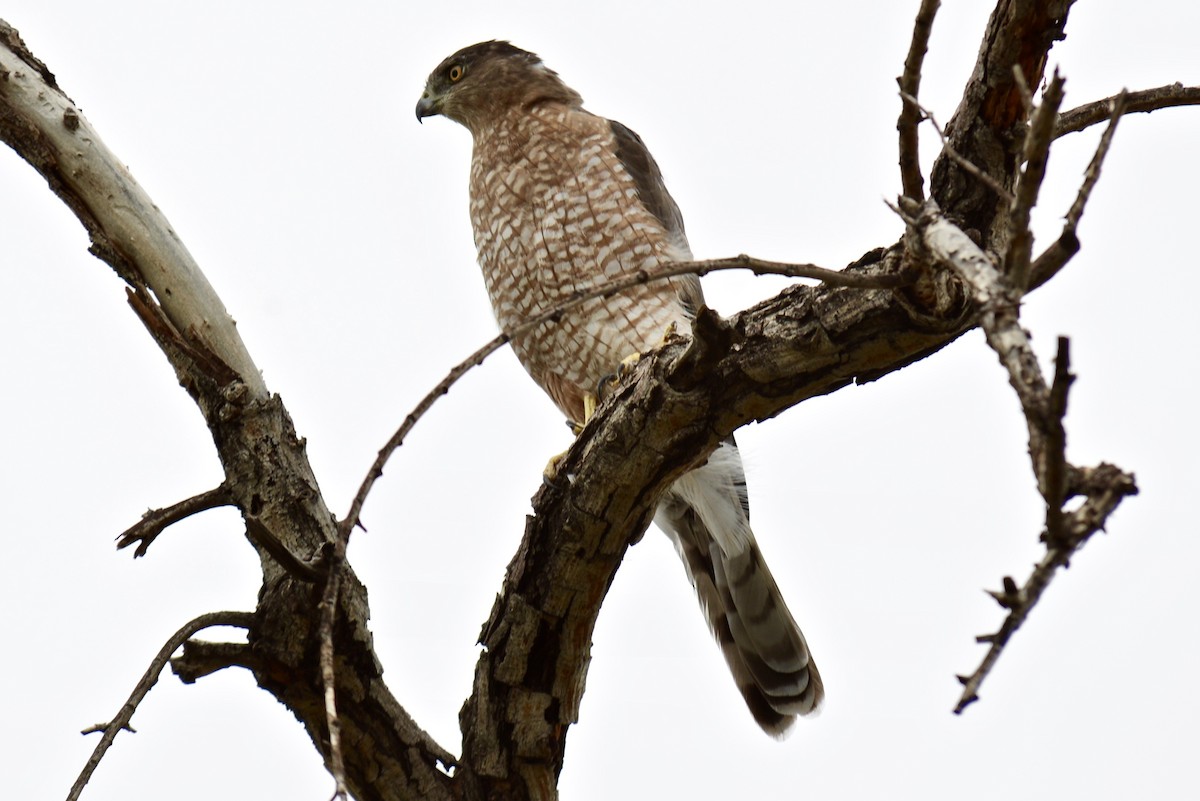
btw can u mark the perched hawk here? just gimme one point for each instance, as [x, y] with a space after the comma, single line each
[563, 200]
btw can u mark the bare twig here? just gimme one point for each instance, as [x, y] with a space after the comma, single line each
[1119, 107]
[857, 280]
[969, 168]
[1054, 485]
[911, 179]
[328, 611]
[1044, 407]
[155, 521]
[1146, 100]
[1029, 183]
[242, 620]
[1109, 486]
[1055, 257]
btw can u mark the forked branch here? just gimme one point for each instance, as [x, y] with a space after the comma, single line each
[1045, 406]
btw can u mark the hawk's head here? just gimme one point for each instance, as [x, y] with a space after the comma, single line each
[488, 79]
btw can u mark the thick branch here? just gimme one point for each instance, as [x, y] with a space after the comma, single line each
[989, 122]
[44, 126]
[266, 469]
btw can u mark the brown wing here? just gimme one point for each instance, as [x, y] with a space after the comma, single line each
[652, 191]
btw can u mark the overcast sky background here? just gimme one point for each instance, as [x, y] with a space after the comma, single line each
[279, 139]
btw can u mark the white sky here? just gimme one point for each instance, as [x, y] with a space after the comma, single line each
[281, 143]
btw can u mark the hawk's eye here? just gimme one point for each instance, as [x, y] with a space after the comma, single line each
[455, 73]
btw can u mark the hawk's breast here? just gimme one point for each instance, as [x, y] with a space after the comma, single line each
[554, 214]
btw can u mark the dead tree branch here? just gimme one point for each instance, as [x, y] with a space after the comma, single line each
[911, 180]
[155, 521]
[1036, 155]
[1106, 486]
[1055, 257]
[1145, 101]
[200, 659]
[46, 128]
[266, 470]
[948, 149]
[242, 620]
[1045, 407]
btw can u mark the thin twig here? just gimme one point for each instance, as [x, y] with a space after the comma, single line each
[968, 167]
[1146, 100]
[328, 610]
[911, 179]
[242, 620]
[1053, 481]
[1055, 257]
[155, 521]
[1111, 486]
[1120, 107]
[1029, 183]
[742, 262]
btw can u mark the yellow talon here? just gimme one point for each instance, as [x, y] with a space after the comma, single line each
[591, 400]
[550, 471]
[668, 333]
[626, 366]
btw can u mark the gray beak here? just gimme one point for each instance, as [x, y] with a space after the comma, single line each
[428, 106]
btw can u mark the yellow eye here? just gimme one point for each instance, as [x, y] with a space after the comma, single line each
[456, 73]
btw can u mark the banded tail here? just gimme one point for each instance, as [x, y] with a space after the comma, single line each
[706, 515]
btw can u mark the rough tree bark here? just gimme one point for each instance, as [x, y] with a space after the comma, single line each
[679, 404]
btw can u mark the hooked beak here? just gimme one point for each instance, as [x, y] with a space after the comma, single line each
[428, 106]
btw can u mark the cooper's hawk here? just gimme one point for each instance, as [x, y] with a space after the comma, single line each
[563, 200]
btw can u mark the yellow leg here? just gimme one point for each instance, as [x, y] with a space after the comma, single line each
[631, 361]
[590, 402]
